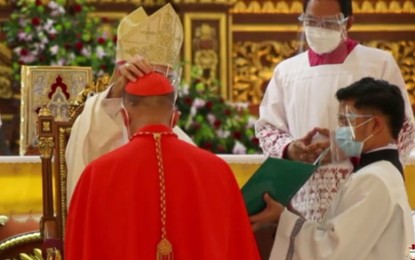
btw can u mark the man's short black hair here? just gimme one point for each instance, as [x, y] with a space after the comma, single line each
[345, 7]
[378, 95]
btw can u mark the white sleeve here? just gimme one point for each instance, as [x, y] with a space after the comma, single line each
[350, 234]
[182, 135]
[87, 138]
[272, 128]
[406, 140]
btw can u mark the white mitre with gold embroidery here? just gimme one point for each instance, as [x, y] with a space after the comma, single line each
[158, 37]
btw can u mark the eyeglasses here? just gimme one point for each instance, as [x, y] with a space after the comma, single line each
[333, 22]
[349, 119]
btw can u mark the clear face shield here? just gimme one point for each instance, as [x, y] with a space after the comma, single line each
[344, 143]
[322, 34]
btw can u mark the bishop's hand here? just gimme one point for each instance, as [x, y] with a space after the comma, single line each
[129, 71]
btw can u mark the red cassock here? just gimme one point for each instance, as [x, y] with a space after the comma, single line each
[115, 210]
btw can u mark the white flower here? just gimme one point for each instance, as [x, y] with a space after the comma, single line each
[100, 52]
[22, 22]
[28, 58]
[54, 49]
[22, 36]
[39, 46]
[251, 122]
[223, 133]
[86, 52]
[49, 25]
[17, 50]
[56, 9]
[239, 148]
[53, 5]
[198, 103]
[193, 111]
[71, 57]
[211, 118]
[184, 90]
[241, 106]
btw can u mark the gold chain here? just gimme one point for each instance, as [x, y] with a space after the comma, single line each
[164, 247]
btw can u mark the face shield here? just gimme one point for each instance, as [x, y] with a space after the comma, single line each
[322, 34]
[343, 140]
[172, 73]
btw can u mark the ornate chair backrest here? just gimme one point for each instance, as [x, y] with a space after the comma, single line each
[53, 136]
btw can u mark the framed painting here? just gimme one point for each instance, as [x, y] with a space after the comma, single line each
[52, 86]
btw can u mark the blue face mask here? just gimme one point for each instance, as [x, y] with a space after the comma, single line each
[345, 140]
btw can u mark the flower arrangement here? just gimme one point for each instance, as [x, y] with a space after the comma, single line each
[50, 32]
[214, 124]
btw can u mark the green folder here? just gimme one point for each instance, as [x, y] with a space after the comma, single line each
[280, 178]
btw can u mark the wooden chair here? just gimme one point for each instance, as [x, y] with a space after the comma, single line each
[53, 136]
[53, 139]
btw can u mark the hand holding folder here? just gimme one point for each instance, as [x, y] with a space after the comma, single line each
[280, 178]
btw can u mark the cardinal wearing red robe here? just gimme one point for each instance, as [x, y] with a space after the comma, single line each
[157, 197]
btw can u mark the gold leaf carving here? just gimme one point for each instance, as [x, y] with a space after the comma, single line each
[254, 63]
[285, 6]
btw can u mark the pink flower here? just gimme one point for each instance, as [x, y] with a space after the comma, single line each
[239, 148]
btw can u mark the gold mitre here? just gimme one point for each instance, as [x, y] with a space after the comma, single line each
[158, 37]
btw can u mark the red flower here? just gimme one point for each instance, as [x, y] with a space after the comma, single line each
[196, 126]
[101, 40]
[52, 36]
[227, 112]
[36, 21]
[255, 141]
[77, 8]
[24, 52]
[237, 135]
[207, 145]
[188, 101]
[220, 149]
[79, 46]
[209, 105]
[103, 67]
[217, 123]
[114, 39]
[38, 2]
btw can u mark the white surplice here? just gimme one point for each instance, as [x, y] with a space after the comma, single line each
[370, 219]
[300, 97]
[99, 129]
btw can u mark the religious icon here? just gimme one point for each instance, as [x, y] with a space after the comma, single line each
[52, 86]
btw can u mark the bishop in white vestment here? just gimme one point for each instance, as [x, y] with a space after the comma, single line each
[99, 129]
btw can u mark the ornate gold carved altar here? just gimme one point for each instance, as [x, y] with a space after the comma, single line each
[25, 173]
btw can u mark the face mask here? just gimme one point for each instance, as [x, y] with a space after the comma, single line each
[322, 40]
[345, 140]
